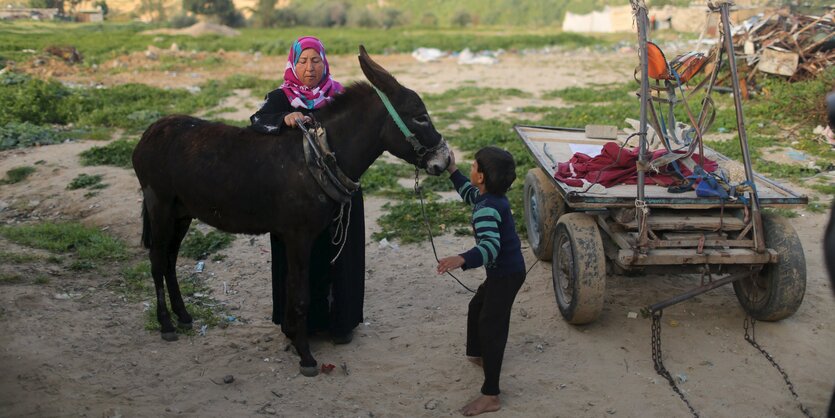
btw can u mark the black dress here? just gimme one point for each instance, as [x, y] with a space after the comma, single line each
[337, 292]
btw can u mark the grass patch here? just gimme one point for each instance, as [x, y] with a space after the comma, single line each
[136, 282]
[17, 174]
[11, 278]
[88, 244]
[382, 176]
[405, 222]
[17, 258]
[117, 153]
[203, 308]
[86, 181]
[784, 212]
[198, 245]
[21, 134]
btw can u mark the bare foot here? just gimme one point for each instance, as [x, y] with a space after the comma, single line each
[477, 361]
[484, 403]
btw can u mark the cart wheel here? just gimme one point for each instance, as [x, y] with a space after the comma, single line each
[578, 268]
[777, 291]
[543, 207]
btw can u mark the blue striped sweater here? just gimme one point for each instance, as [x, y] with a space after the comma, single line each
[497, 245]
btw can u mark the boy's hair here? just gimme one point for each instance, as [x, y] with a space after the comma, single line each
[498, 168]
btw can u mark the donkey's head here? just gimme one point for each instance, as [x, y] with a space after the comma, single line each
[408, 132]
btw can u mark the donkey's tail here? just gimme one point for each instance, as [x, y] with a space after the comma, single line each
[146, 227]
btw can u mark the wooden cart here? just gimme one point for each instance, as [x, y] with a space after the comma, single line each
[587, 232]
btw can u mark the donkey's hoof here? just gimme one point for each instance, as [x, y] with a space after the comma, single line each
[309, 371]
[170, 336]
[185, 325]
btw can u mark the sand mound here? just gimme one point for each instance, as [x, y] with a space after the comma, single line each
[197, 29]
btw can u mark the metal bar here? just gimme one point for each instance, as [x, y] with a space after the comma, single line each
[642, 22]
[697, 291]
[708, 243]
[759, 239]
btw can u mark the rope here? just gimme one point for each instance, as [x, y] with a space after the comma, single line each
[340, 235]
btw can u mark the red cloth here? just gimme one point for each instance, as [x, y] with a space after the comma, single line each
[615, 166]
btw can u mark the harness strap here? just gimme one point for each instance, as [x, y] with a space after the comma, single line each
[393, 113]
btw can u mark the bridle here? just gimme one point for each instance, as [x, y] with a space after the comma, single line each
[420, 149]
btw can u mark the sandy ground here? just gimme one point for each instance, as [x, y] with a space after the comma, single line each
[88, 354]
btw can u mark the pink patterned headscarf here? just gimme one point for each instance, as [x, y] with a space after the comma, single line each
[299, 95]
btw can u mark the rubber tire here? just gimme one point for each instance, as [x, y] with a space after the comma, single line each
[543, 207]
[579, 263]
[782, 285]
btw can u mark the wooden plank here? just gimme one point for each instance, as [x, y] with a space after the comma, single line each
[667, 257]
[689, 223]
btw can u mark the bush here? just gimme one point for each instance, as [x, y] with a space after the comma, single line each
[24, 99]
[462, 18]
[118, 153]
[198, 246]
[182, 21]
[20, 135]
[363, 18]
[429, 19]
[17, 174]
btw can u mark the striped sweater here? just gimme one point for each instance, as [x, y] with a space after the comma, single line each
[497, 245]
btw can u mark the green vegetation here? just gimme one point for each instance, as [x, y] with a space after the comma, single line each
[405, 221]
[17, 174]
[203, 309]
[17, 258]
[89, 245]
[86, 181]
[136, 283]
[15, 134]
[117, 153]
[198, 245]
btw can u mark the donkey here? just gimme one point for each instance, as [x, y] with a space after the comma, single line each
[241, 181]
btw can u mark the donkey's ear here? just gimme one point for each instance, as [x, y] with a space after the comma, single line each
[377, 75]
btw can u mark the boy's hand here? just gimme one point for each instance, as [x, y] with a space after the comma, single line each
[450, 263]
[452, 166]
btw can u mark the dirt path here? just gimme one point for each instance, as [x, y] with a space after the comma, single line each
[74, 347]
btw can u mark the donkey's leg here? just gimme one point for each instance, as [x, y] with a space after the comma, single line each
[298, 299]
[162, 228]
[184, 320]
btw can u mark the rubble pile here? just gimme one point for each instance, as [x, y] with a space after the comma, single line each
[792, 45]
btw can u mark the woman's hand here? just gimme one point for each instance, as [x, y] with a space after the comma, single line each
[290, 119]
[452, 166]
[450, 263]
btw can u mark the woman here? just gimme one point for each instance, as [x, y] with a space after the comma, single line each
[336, 291]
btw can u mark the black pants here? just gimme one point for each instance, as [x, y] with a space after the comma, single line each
[337, 292]
[488, 322]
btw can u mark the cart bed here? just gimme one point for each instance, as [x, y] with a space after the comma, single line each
[562, 143]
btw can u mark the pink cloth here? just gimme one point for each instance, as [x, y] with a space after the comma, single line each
[615, 166]
[299, 95]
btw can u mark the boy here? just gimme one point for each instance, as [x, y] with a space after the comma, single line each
[498, 249]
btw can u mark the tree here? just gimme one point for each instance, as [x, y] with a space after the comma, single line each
[222, 10]
[48, 4]
[265, 16]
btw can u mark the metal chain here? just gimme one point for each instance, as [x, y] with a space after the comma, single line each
[751, 338]
[659, 363]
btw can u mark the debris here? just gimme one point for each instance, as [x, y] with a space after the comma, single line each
[428, 54]
[62, 296]
[203, 329]
[681, 377]
[199, 266]
[467, 57]
[327, 367]
[632, 315]
[344, 367]
[228, 379]
[385, 243]
[431, 404]
[66, 53]
[783, 43]
[673, 323]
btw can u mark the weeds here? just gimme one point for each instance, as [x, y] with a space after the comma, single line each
[405, 222]
[17, 174]
[88, 244]
[17, 258]
[86, 181]
[198, 246]
[117, 153]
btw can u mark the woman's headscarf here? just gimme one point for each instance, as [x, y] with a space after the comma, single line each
[301, 96]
